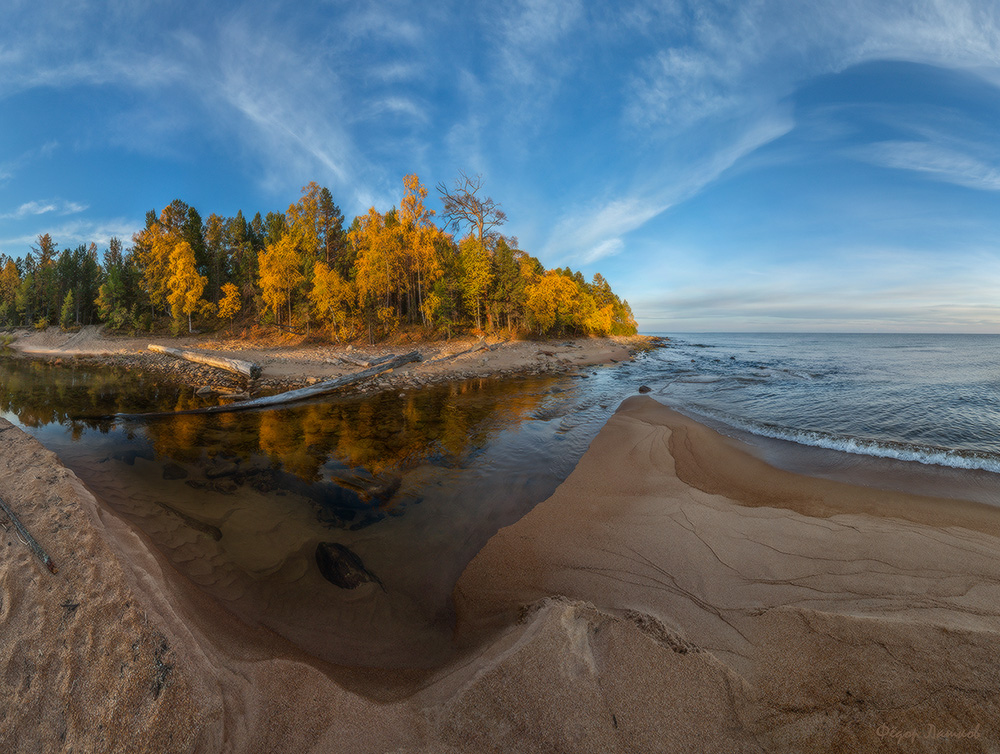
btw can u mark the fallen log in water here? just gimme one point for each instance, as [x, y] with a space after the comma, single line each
[245, 368]
[290, 396]
[28, 539]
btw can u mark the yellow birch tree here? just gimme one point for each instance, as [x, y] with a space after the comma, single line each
[553, 302]
[231, 302]
[9, 282]
[419, 241]
[154, 247]
[331, 296]
[477, 273]
[184, 285]
[279, 274]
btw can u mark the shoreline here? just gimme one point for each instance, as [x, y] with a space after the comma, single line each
[289, 363]
[675, 593]
[907, 475]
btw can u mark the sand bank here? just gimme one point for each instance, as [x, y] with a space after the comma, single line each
[674, 594]
[779, 613]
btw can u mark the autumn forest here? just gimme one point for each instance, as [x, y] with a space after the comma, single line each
[305, 271]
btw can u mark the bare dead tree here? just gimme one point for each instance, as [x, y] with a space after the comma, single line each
[464, 206]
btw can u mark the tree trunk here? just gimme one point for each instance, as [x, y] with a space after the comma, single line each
[244, 368]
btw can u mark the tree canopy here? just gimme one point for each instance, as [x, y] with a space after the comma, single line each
[303, 268]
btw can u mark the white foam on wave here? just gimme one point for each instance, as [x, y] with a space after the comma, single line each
[914, 452]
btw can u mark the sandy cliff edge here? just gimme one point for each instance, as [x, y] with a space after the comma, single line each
[631, 611]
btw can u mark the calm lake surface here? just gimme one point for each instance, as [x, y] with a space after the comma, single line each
[251, 506]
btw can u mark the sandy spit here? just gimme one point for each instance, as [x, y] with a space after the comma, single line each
[657, 602]
[754, 609]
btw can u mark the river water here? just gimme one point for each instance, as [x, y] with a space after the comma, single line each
[341, 523]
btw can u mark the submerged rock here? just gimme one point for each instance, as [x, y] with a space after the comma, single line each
[342, 567]
[224, 486]
[174, 471]
[221, 469]
[128, 456]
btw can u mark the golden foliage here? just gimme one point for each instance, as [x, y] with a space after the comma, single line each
[185, 285]
[553, 301]
[9, 281]
[231, 302]
[279, 274]
[153, 247]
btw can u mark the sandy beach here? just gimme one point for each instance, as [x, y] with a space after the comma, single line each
[674, 594]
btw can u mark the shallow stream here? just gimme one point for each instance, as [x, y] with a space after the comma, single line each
[342, 523]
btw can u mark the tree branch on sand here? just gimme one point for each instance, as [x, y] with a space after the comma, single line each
[26, 537]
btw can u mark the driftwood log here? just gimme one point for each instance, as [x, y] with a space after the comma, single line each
[477, 349]
[290, 396]
[245, 368]
[364, 362]
[28, 539]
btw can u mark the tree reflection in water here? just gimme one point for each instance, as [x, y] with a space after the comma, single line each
[243, 504]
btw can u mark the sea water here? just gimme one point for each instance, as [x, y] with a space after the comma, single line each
[924, 407]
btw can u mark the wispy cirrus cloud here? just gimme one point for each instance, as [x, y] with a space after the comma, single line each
[292, 106]
[753, 53]
[935, 161]
[80, 231]
[588, 234]
[35, 208]
[10, 168]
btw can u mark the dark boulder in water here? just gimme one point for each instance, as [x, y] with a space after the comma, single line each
[174, 471]
[645, 389]
[342, 566]
[221, 469]
[129, 455]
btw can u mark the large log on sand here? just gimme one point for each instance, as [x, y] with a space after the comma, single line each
[245, 368]
[290, 396]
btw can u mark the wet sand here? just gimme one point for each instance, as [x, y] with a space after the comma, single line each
[674, 594]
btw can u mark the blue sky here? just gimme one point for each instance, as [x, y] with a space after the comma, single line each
[821, 166]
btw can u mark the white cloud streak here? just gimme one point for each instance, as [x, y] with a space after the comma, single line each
[75, 232]
[935, 161]
[36, 208]
[589, 234]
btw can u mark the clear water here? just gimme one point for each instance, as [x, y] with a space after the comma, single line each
[414, 484]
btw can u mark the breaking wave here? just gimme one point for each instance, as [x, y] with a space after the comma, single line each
[929, 455]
